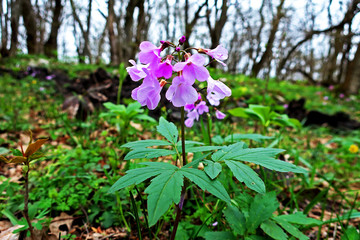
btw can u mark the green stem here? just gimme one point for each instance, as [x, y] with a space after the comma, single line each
[182, 198]
[121, 80]
[26, 201]
[209, 129]
[122, 217]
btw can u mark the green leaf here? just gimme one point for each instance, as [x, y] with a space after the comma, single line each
[255, 137]
[273, 230]
[148, 153]
[201, 149]
[160, 165]
[14, 221]
[145, 143]
[144, 117]
[227, 152]
[163, 191]
[4, 150]
[236, 219]
[168, 130]
[212, 169]
[264, 157]
[291, 229]
[238, 112]
[219, 236]
[135, 176]
[196, 160]
[205, 183]
[261, 112]
[351, 234]
[16, 152]
[299, 218]
[246, 175]
[261, 209]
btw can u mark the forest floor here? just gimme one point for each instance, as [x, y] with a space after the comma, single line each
[83, 157]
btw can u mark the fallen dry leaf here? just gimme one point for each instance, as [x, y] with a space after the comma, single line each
[63, 219]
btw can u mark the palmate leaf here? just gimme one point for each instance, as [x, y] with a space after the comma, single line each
[200, 149]
[265, 157]
[146, 143]
[219, 235]
[168, 130]
[205, 183]
[163, 191]
[148, 153]
[252, 136]
[245, 174]
[228, 152]
[138, 175]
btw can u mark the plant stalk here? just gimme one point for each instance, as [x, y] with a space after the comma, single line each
[182, 198]
[26, 202]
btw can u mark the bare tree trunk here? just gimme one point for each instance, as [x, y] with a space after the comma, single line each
[85, 51]
[4, 30]
[15, 16]
[352, 78]
[274, 28]
[215, 32]
[50, 47]
[114, 56]
[28, 14]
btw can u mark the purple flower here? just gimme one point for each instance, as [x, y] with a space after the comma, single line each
[285, 106]
[201, 107]
[189, 107]
[193, 115]
[182, 40]
[341, 95]
[165, 68]
[136, 72]
[148, 93]
[216, 91]
[219, 53]
[149, 54]
[214, 224]
[177, 49]
[331, 87]
[219, 115]
[50, 77]
[326, 98]
[193, 68]
[181, 92]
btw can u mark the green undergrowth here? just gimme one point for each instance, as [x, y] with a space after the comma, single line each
[84, 159]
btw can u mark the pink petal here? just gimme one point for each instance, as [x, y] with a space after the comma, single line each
[219, 115]
[197, 59]
[179, 66]
[147, 46]
[201, 73]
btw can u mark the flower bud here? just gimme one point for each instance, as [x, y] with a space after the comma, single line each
[177, 49]
[182, 40]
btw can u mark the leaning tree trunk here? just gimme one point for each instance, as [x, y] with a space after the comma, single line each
[267, 54]
[50, 47]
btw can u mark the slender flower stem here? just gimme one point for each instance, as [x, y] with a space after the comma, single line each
[184, 162]
[26, 202]
[183, 136]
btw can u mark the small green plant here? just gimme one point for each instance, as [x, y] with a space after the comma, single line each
[121, 116]
[266, 116]
[253, 218]
[31, 153]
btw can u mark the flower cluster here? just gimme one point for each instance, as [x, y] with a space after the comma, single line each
[182, 69]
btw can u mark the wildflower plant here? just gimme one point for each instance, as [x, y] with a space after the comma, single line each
[181, 70]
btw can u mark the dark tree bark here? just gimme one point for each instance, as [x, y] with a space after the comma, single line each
[114, 56]
[352, 78]
[15, 16]
[268, 50]
[28, 14]
[50, 47]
